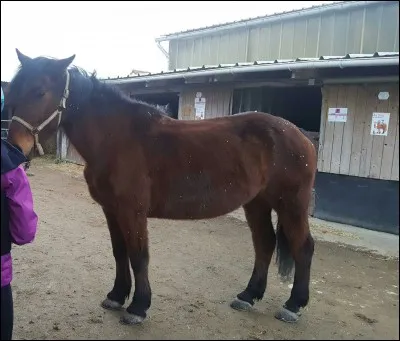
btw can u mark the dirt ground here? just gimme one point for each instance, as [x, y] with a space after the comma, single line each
[196, 269]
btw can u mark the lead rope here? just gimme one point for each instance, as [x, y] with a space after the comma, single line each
[35, 131]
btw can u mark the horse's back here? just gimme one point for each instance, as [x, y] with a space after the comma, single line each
[275, 135]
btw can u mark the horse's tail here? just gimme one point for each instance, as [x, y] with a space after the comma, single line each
[284, 257]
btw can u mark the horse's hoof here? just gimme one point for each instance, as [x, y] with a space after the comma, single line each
[238, 304]
[111, 305]
[286, 315]
[131, 319]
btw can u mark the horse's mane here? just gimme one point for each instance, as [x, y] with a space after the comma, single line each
[89, 86]
[83, 86]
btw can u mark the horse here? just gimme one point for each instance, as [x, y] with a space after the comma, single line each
[143, 164]
[165, 109]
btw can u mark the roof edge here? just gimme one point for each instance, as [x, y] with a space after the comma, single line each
[342, 5]
[294, 65]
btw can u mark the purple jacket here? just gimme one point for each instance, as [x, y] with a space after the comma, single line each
[23, 219]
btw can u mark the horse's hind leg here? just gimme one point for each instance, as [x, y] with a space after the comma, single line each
[123, 282]
[295, 247]
[258, 215]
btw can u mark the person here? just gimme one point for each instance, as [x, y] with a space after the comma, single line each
[18, 222]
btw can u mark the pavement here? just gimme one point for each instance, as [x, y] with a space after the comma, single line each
[379, 243]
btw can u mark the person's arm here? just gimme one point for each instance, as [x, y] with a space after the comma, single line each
[23, 219]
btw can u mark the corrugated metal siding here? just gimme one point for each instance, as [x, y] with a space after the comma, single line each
[365, 30]
[218, 102]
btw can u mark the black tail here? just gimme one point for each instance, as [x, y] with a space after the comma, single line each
[284, 258]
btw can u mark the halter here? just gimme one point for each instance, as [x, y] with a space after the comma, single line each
[35, 131]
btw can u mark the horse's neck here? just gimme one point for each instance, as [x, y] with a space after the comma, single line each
[86, 129]
[80, 135]
[83, 128]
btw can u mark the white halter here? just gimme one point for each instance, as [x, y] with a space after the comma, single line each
[35, 131]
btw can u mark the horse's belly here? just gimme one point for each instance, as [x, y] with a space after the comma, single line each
[203, 199]
[198, 208]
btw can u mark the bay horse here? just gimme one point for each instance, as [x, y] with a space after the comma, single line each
[143, 164]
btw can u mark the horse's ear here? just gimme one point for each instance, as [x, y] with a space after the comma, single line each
[62, 64]
[22, 58]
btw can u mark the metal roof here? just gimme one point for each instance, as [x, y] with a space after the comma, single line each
[349, 60]
[318, 9]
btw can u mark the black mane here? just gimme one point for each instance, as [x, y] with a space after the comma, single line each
[83, 87]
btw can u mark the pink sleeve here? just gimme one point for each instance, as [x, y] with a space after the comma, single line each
[23, 219]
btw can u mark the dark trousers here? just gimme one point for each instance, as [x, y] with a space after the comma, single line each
[7, 313]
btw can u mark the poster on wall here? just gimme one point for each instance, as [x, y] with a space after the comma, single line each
[380, 123]
[337, 115]
[200, 108]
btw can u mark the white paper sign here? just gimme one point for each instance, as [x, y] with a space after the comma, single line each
[200, 108]
[380, 123]
[383, 96]
[337, 115]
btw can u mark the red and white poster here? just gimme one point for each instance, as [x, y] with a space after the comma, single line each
[380, 123]
[337, 115]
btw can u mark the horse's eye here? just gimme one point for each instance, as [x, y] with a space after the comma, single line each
[40, 94]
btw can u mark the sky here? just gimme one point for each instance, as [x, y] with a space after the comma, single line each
[113, 37]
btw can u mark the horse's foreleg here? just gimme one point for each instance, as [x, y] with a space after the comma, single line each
[258, 216]
[134, 225]
[123, 282]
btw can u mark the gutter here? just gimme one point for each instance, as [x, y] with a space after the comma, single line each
[292, 66]
[166, 54]
[296, 14]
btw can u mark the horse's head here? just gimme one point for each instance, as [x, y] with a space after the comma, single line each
[163, 108]
[37, 96]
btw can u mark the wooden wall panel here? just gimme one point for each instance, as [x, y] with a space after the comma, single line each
[218, 102]
[349, 148]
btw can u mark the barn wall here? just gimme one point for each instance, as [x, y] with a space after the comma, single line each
[66, 151]
[349, 148]
[218, 102]
[50, 145]
[369, 203]
[73, 155]
[366, 29]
